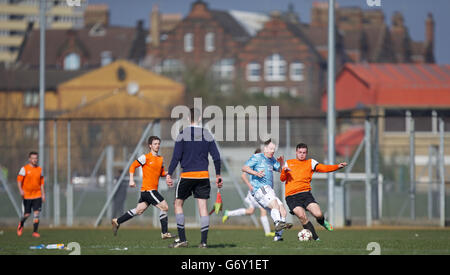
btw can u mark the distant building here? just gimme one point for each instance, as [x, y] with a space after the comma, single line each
[20, 16]
[394, 92]
[92, 46]
[278, 54]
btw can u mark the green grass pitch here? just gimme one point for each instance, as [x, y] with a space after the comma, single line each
[245, 241]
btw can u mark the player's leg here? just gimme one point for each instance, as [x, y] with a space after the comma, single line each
[201, 191]
[240, 211]
[279, 234]
[265, 222]
[300, 212]
[164, 220]
[37, 205]
[140, 208]
[183, 191]
[26, 208]
[204, 221]
[315, 210]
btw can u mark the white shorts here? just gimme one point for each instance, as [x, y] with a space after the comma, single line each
[250, 201]
[265, 195]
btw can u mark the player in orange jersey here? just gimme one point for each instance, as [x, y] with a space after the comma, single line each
[298, 174]
[30, 181]
[152, 170]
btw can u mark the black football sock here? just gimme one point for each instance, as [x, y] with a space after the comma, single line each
[310, 227]
[321, 220]
[128, 215]
[35, 223]
[164, 221]
[22, 221]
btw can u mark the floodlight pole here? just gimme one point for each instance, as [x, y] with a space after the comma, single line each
[331, 115]
[42, 25]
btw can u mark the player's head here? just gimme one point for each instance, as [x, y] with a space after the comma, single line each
[195, 116]
[269, 148]
[33, 158]
[154, 143]
[301, 151]
[257, 151]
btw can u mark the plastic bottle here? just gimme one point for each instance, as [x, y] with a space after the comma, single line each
[41, 246]
[55, 246]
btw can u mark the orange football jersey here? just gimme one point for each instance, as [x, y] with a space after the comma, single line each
[298, 179]
[31, 179]
[152, 169]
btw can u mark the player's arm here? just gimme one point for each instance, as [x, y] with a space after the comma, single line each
[245, 179]
[176, 157]
[137, 163]
[284, 174]
[250, 164]
[214, 152]
[20, 178]
[322, 168]
[42, 189]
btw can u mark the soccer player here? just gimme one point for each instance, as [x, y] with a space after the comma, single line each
[152, 169]
[30, 181]
[251, 205]
[260, 167]
[191, 150]
[298, 174]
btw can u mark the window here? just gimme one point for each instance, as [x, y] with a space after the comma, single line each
[209, 42]
[172, 65]
[395, 121]
[254, 90]
[422, 120]
[224, 68]
[72, 62]
[445, 115]
[188, 42]
[31, 99]
[31, 131]
[106, 58]
[253, 71]
[296, 71]
[275, 91]
[275, 68]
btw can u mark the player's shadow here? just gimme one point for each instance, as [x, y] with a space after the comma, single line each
[221, 245]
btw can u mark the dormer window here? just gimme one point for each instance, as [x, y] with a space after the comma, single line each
[72, 62]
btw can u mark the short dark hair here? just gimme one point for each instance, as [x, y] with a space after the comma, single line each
[194, 114]
[267, 142]
[258, 150]
[32, 153]
[152, 138]
[301, 145]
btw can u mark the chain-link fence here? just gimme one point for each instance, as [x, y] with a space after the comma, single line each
[91, 155]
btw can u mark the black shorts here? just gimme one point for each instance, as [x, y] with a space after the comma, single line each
[36, 204]
[152, 197]
[199, 187]
[302, 199]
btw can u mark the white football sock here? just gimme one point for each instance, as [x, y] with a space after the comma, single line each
[237, 212]
[275, 214]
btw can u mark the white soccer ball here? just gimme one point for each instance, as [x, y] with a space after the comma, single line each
[304, 235]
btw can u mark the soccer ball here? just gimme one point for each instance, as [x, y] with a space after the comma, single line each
[304, 235]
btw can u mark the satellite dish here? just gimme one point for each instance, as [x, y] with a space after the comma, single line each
[132, 88]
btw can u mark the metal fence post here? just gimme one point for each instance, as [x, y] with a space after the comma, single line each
[442, 173]
[69, 189]
[412, 170]
[56, 201]
[368, 164]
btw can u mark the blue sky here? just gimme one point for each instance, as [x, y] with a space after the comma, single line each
[127, 12]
